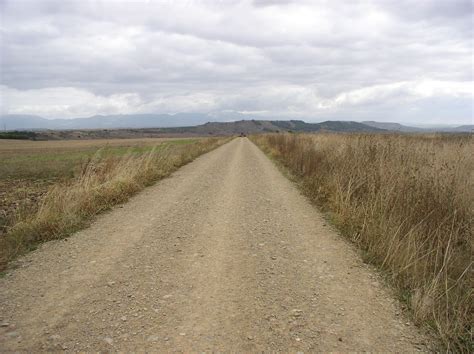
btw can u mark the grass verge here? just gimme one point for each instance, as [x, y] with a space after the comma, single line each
[102, 181]
[406, 200]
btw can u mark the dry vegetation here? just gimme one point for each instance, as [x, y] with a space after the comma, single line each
[406, 200]
[51, 189]
[29, 168]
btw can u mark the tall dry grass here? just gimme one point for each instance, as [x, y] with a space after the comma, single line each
[407, 200]
[101, 183]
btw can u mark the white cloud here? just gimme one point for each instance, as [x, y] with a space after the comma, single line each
[66, 102]
[307, 59]
[402, 92]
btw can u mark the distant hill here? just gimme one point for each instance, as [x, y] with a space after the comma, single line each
[207, 129]
[393, 127]
[209, 123]
[24, 122]
[267, 126]
[463, 129]
[408, 129]
[343, 126]
[193, 124]
[16, 122]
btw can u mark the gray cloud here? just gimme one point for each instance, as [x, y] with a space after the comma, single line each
[390, 60]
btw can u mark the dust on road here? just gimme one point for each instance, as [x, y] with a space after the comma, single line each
[224, 255]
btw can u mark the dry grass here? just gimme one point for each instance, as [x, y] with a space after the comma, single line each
[407, 201]
[101, 181]
[29, 168]
[33, 160]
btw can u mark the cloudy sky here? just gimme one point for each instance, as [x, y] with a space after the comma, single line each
[403, 60]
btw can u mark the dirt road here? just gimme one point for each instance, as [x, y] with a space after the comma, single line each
[224, 255]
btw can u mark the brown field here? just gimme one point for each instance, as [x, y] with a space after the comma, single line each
[50, 188]
[16, 146]
[28, 168]
[406, 200]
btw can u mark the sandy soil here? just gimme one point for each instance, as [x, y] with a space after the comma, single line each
[224, 255]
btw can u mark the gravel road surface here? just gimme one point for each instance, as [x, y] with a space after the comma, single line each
[224, 255]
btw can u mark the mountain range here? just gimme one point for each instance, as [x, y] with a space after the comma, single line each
[31, 122]
[194, 124]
